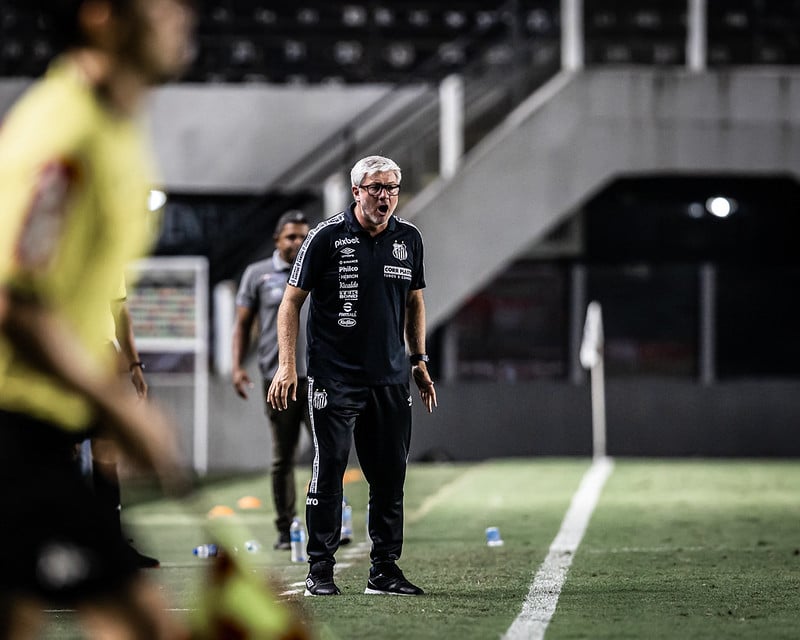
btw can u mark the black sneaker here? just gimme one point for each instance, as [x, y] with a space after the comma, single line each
[320, 581]
[388, 580]
[142, 561]
[283, 543]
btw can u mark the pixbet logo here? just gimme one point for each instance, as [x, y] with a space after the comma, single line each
[343, 241]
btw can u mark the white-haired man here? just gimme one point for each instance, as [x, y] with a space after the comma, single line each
[364, 271]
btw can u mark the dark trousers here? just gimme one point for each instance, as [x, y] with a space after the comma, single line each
[378, 419]
[57, 541]
[285, 426]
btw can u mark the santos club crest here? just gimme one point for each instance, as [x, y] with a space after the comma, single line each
[320, 399]
[399, 250]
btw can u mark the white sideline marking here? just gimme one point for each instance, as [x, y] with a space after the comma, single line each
[435, 498]
[76, 611]
[542, 598]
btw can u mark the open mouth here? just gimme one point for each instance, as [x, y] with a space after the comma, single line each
[384, 208]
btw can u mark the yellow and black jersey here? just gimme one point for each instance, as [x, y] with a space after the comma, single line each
[74, 180]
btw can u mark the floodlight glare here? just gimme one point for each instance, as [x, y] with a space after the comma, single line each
[696, 210]
[720, 206]
[156, 199]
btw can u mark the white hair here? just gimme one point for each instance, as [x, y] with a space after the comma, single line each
[373, 164]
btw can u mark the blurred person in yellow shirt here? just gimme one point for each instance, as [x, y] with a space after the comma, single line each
[74, 177]
[120, 340]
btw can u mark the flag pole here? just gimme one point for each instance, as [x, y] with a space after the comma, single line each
[591, 356]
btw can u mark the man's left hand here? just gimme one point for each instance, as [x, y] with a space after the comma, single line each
[139, 383]
[425, 385]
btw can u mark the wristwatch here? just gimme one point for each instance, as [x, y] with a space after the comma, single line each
[133, 365]
[418, 357]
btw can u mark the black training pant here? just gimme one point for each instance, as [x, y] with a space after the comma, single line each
[285, 426]
[57, 542]
[378, 419]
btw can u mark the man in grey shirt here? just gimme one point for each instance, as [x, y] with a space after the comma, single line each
[260, 293]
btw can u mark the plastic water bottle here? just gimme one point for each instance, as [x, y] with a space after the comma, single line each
[253, 546]
[493, 538]
[297, 538]
[205, 551]
[347, 523]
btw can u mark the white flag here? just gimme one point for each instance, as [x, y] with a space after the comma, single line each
[592, 344]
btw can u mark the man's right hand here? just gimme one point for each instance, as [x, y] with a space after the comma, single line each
[283, 388]
[241, 382]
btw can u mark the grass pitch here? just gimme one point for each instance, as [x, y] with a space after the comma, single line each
[675, 549]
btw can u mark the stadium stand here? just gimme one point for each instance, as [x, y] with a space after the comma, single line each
[315, 41]
[649, 32]
[398, 41]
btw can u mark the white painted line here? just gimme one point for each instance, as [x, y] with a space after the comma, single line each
[443, 492]
[542, 598]
[670, 549]
[76, 611]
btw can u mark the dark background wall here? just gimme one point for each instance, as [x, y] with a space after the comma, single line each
[644, 418]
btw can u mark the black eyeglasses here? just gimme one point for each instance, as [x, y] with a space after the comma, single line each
[375, 188]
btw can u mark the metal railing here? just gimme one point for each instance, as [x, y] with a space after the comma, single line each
[404, 123]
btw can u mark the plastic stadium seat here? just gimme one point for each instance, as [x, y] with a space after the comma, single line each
[451, 54]
[295, 50]
[455, 19]
[539, 21]
[400, 55]
[419, 18]
[771, 53]
[383, 17]
[307, 16]
[348, 52]
[354, 16]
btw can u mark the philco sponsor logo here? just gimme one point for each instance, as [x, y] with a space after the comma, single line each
[396, 273]
[348, 294]
[345, 241]
[320, 399]
[347, 269]
[348, 251]
[399, 250]
[347, 322]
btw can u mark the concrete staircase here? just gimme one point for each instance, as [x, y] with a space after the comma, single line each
[577, 133]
